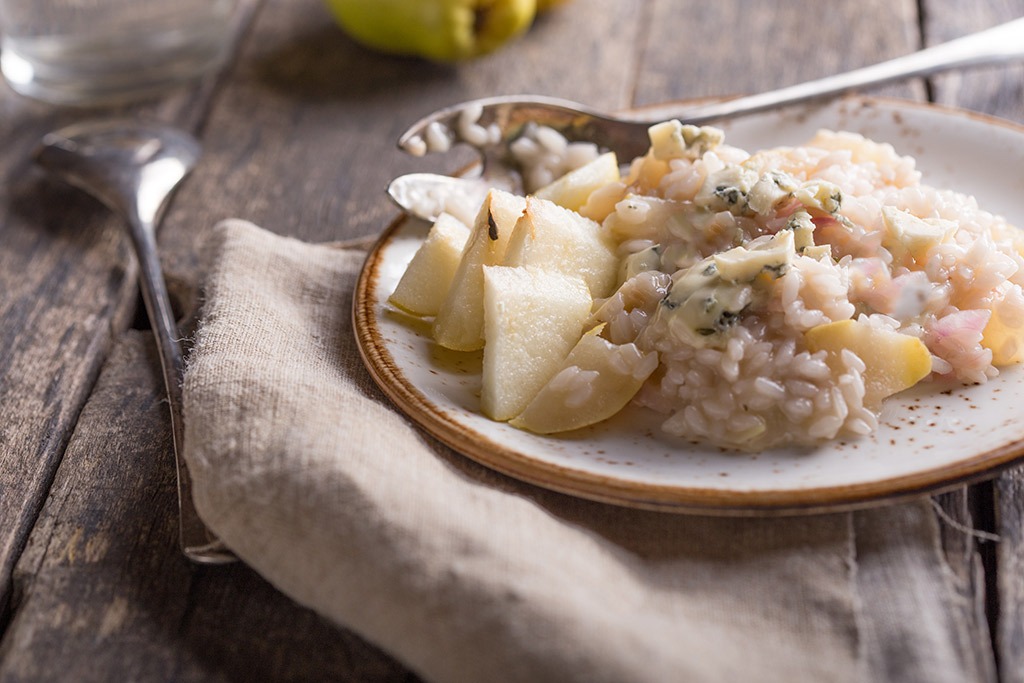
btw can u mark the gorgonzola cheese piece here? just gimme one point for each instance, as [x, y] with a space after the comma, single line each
[802, 226]
[700, 306]
[818, 251]
[741, 264]
[727, 189]
[773, 188]
[821, 195]
[641, 262]
[707, 299]
[674, 140]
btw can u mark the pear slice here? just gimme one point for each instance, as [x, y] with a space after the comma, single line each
[459, 324]
[906, 234]
[597, 379]
[426, 280]
[893, 361]
[1004, 333]
[574, 188]
[533, 318]
[550, 237]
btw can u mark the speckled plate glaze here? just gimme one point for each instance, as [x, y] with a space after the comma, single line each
[931, 437]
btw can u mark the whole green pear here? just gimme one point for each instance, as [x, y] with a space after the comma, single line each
[438, 30]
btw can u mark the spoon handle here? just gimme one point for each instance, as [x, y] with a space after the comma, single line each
[998, 45]
[197, 543]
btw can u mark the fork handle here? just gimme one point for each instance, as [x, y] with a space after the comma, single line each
[196, 541]
[997, 45]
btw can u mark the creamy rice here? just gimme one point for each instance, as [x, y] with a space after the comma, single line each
[752, 382]
[730, 258]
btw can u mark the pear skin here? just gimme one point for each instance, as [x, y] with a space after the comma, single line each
[437, 30]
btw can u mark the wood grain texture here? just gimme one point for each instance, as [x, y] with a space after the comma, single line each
[67, 289]
[699, 49]
[67, 283]
[993, 90]
[102, 592]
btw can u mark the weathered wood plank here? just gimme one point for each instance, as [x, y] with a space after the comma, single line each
[66, 284]
[701, 49]
[102, 592]
[64, 266]
[68, 287]
[993, 90]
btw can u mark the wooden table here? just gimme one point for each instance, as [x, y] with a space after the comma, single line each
[299, 135]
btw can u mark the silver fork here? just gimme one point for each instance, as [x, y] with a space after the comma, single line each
[491, 124]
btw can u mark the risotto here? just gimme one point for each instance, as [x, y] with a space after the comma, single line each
[865, 240]
[787, 292]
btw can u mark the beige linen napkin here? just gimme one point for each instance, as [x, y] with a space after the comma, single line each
[304, 469]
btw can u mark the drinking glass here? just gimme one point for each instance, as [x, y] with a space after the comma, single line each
[86, 52]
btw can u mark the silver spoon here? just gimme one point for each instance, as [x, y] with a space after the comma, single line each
[133, 168]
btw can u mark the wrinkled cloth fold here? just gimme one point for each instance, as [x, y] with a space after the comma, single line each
[313, 478]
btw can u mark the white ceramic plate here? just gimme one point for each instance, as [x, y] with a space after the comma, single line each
[929, 439]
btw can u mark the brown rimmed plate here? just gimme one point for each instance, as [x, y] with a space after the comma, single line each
[929, 439]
